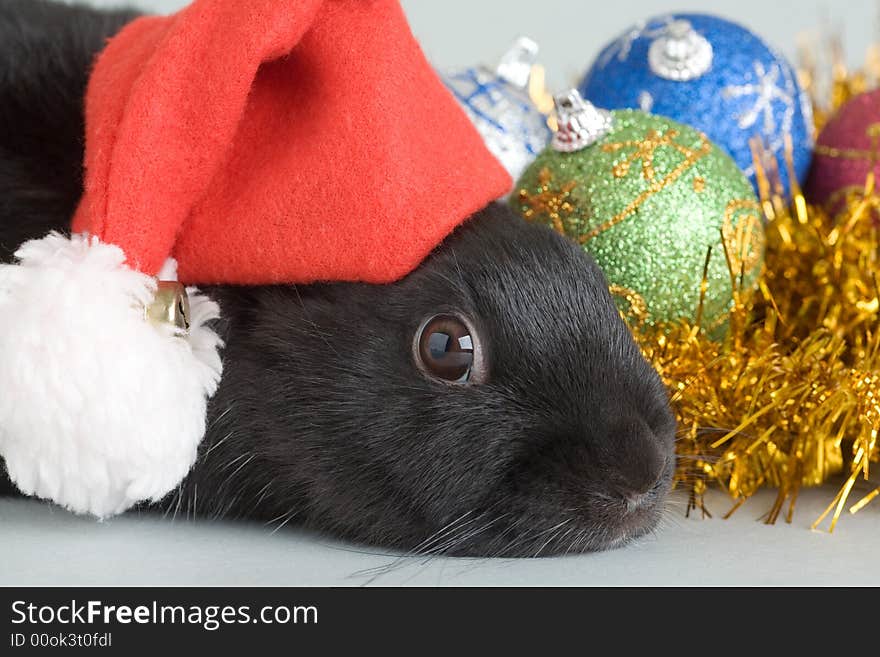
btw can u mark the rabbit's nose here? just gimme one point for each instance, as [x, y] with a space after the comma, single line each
[633, 457]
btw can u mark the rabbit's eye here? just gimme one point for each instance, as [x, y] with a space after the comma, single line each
[446, 349]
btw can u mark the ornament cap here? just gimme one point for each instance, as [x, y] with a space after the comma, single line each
[680, 53]
[581, 123]
[516, 64]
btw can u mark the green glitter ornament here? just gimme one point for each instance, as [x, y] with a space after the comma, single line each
[648, 197]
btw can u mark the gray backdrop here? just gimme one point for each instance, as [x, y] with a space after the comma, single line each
[570, 32]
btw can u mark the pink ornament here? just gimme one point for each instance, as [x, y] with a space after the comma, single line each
[845, 150]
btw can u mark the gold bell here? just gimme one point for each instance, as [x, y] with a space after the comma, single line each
[170, 305]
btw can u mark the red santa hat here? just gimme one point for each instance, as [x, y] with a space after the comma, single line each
[258, 142]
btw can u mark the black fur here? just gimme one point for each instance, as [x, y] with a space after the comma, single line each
[323, 418]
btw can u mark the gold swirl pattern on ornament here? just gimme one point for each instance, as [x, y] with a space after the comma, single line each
[645, 152]
[742, 238]
[555, 204]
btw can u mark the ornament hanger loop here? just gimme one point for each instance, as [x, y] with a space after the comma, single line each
[580, 122]
[680, 53]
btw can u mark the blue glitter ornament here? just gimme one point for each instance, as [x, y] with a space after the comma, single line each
[714, 75]
[498, 104]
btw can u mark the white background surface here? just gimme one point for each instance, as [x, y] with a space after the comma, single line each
[43, 545]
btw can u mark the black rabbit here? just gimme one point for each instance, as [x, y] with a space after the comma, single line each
[341, 407]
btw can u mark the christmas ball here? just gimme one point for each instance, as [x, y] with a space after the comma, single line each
[846, 151]
[648, 197]
[713, 75]
[498, 104]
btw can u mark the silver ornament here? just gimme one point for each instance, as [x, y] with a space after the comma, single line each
[498, 104]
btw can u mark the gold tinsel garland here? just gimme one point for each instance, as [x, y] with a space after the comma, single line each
[791, 396]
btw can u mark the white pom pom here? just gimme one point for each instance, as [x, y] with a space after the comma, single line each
[99, 408]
